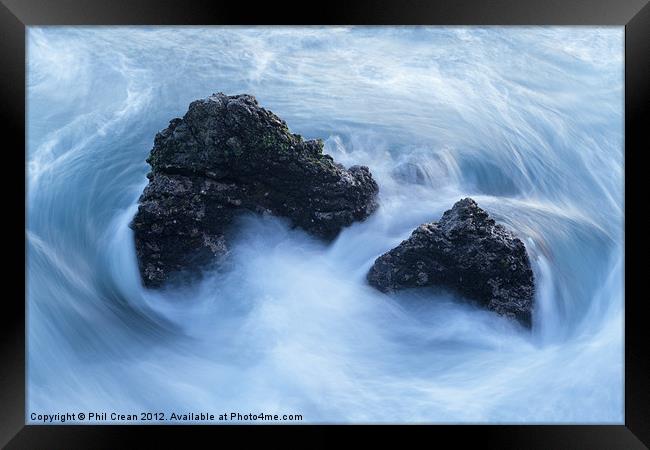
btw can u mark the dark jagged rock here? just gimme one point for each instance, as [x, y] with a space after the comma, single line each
[466, 251]
[228, 155]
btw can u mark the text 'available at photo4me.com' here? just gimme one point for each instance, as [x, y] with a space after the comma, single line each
[98, 417]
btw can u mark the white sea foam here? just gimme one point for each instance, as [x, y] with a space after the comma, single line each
[528, 121]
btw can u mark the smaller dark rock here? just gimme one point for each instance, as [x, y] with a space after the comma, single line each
[467, 252]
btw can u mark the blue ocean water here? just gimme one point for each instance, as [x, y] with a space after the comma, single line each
[526, 120]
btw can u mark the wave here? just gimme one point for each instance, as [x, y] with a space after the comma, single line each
[528, 121]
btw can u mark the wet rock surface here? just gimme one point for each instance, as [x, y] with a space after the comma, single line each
[465, 251]
[226, 156]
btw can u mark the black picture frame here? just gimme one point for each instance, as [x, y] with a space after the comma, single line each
[16, 15]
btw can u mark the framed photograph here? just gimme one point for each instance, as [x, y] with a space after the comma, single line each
[413, 215]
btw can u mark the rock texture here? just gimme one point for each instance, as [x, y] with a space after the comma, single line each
[228, 155]
[466, 251]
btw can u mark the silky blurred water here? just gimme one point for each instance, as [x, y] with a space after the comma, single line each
[528, 121]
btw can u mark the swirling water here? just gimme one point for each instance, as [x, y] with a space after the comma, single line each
[526, 120]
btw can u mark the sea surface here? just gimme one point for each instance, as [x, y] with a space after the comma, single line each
[528, 121]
